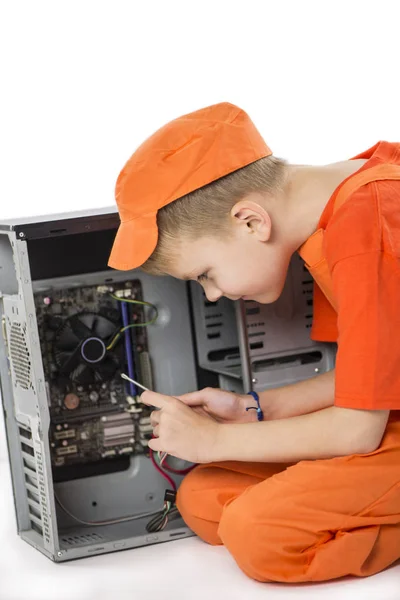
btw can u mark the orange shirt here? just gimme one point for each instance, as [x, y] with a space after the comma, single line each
[362, 248]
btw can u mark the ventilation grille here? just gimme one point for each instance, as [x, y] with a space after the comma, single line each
[213, 318]
[256, 326]
[34, 484]
[80, 540]
[31, 480]
[20, 357]
[307, 284]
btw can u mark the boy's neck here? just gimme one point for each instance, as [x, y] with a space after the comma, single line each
[307, 191]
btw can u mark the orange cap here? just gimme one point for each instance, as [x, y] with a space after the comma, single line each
[184, 155]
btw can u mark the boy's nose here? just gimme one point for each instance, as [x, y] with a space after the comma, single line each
[213, 295]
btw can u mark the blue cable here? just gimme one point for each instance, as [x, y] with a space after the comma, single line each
[128, 348]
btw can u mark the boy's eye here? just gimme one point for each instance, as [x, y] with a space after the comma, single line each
[202, 277]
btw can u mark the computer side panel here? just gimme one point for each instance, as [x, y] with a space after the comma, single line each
[24, 399]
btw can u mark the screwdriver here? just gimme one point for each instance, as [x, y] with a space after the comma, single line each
[163, 455]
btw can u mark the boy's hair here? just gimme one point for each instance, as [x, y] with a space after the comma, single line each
[205, 211]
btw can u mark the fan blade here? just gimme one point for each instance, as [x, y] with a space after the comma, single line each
[67, 340]
[81, 325]
[84, 375]
[106, 369]
[68, 361]
[103, 328]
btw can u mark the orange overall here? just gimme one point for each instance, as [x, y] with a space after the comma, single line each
[322, 519]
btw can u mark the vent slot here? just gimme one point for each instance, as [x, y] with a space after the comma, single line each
[209, 325]
[294, 359]
[25, 433]
[253, 311]
[36, 527]
[35, 512]
[29, 465]
[55, 231]
[34, 497]
[213, 336]
[27, 449]
[257, 346]
[31, 480]
[79, 540]
[311, 357]
[20, 357]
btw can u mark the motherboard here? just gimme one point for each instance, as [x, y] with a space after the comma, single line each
[89, 336]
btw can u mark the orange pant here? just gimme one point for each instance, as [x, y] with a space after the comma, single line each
[312, 521]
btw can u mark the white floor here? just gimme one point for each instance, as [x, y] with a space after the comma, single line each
[181, 570]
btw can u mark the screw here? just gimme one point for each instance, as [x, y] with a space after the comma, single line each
[59, 553]
[254, 380]
[316, 369]
[21, 234]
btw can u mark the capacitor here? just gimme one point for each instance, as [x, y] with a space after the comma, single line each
[71, 401]
[94, 396]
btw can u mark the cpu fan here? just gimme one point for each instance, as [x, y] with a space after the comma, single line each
[80, 348]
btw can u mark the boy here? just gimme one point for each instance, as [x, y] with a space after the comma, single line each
[312, 492]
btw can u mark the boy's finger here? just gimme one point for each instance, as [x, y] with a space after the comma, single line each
[154, 399]
[192, 399]
[155, 417]
[155, 445]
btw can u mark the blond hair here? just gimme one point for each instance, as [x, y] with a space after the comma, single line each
[206, 210]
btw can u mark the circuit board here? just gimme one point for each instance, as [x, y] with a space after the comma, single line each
[94, 414]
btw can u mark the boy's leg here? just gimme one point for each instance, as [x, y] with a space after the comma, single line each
[313, 521]
[204, 492]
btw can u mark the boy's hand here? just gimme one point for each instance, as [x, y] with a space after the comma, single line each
[179, 430]
[222, 406]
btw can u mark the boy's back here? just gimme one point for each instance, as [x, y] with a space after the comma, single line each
[362, 249]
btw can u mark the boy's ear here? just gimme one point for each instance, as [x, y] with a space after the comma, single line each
[254, 218]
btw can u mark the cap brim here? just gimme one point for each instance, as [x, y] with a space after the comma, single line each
[134, 243]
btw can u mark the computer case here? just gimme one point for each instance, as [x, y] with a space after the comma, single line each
[76, 432]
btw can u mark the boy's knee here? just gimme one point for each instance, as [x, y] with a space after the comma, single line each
[260, 545]
[196, 510]
[187, 492]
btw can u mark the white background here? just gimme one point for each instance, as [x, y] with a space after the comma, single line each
[83, 82]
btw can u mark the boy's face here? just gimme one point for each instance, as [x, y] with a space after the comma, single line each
[245, 264]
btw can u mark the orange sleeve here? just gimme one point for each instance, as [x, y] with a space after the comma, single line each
[367, 289]
[324, 325]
